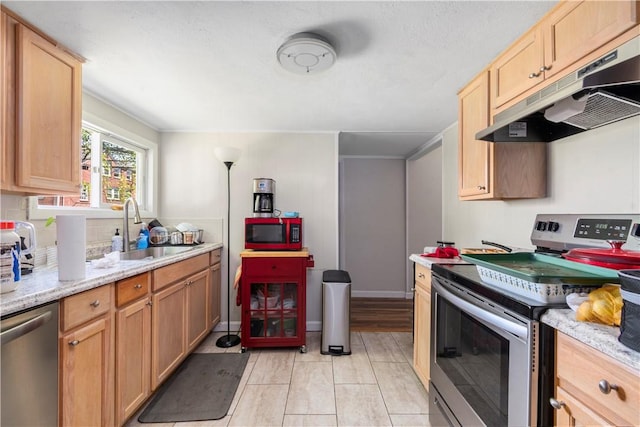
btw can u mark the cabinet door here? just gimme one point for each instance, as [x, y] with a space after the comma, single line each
[8, 113]
[87, 375]
[422, 332]
[168, 332]
[197, 303]
[567, 39]
[214, 295]
[475, 157]
[574, 413]
[518, 68]
[49, 103]
[133, 360]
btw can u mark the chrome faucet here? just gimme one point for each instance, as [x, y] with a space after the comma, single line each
[125, 225]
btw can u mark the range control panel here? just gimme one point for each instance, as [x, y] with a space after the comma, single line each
[562, 232]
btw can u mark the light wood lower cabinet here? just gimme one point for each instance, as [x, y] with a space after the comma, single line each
[215, 281]
[214, 294]
[422, 324]
[119, 342]
[133, 345]
[197, 306]
[593, 388]
[179, 316]
[168, 332]
[86, 348]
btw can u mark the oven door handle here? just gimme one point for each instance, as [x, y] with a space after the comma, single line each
[514, 328]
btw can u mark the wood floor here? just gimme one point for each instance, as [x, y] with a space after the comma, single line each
[381, 315]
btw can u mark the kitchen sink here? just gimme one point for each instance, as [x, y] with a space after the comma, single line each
[153, 252]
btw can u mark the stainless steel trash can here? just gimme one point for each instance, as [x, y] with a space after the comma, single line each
[336, 310]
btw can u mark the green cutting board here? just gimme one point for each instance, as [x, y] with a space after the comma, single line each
[539, 268]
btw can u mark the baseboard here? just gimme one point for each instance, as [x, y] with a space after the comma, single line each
[378, 294]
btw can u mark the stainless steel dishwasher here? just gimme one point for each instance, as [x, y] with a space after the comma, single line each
[30, 367]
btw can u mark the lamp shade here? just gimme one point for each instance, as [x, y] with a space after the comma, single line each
[227, 154]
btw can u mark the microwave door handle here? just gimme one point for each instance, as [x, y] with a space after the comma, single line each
[516, 329]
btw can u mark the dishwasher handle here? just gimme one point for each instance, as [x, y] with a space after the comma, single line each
[24, 328]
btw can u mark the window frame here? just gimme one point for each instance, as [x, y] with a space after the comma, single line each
[148, 182]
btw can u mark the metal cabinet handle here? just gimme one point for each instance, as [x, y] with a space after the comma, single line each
[149, 303]
[556, 404]
[534, 75]
[545, 68]
[421, 275]
[74, 343]
[413, 289]
[481, 187]
[605, 387]
[138, 286]
[95, 303]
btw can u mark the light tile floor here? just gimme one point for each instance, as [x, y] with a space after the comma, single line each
[374, 386]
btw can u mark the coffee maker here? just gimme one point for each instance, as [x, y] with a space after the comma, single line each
[264, 190]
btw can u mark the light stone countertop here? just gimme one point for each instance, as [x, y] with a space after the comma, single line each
[601, 337]
[42, 286]
[429, 261]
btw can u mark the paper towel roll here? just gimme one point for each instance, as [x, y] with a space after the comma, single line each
[72, 246]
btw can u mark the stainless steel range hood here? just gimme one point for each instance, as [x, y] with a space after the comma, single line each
[603, 92]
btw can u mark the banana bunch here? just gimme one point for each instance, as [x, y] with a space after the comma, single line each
[603, 306]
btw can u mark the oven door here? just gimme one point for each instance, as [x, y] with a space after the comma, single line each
[482, 360]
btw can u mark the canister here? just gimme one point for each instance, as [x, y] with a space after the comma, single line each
[9, 257]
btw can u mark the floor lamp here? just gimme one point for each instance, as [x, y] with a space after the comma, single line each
[228, 156]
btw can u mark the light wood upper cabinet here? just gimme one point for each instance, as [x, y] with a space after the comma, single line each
[566, 35]
[42, 113]
[518, 68]
[488, 170]
[474, 157]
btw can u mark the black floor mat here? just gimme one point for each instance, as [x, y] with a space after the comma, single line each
[201, 389]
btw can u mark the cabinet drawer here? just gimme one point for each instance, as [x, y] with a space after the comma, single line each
[581, 368]
[273, 267]
[164, 276]
[80, 308]
[131, 289]
[423, 276]
[215, 256]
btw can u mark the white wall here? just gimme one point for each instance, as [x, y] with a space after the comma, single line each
[424, 204]
[373, 245]
[597, 171]
[193, 186]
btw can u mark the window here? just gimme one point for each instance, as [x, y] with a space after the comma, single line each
[113, 169]
[84, 193]
[113, 193]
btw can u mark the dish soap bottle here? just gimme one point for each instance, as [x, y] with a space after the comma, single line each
[142, 240]
[117, 242]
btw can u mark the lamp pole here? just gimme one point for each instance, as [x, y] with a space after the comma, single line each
[228, 340]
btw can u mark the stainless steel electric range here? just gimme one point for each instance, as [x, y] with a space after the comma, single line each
[492, 360]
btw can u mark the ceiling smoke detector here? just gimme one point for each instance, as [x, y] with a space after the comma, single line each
[306, 53]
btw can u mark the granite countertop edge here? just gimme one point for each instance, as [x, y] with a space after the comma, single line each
[42, 286]
[429, 261]
[601, 337]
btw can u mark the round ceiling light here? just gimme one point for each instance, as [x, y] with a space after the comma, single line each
[306, 53]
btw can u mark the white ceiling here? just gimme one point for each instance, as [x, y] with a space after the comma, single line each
[211, 65]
